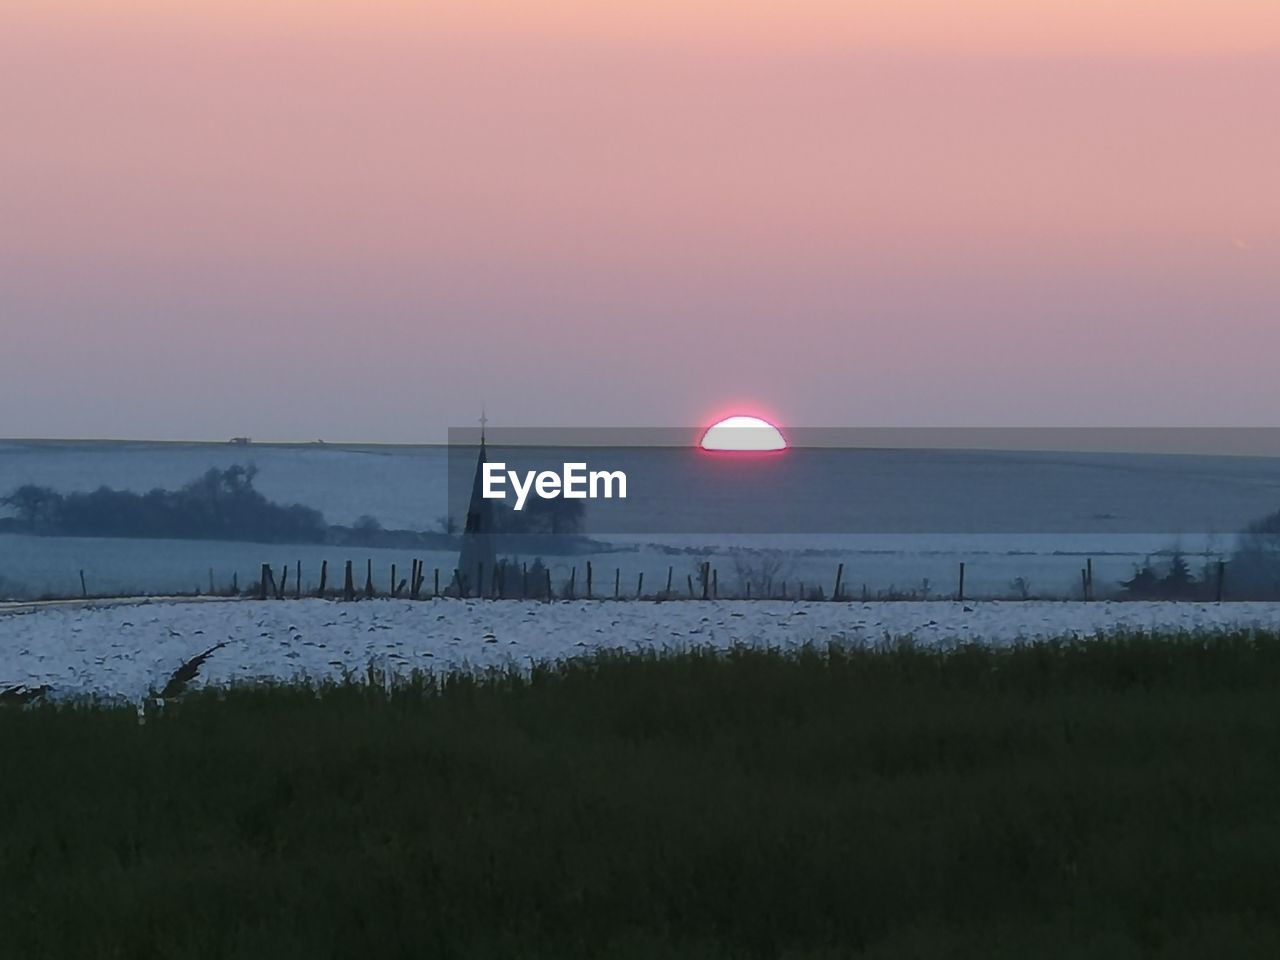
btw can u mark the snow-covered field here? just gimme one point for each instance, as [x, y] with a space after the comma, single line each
[128, 650]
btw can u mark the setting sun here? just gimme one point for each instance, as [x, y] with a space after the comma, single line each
[743, 433]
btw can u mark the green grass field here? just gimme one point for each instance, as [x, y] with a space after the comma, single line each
[1115, 798]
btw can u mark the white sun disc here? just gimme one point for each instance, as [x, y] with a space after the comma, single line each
[743, 433]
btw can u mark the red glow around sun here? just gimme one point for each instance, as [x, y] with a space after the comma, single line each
[743, 433]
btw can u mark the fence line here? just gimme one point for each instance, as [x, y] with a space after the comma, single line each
[509, 580]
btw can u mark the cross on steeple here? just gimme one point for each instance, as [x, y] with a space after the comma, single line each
[484, 420]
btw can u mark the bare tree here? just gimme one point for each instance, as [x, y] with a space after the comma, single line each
[757, 571]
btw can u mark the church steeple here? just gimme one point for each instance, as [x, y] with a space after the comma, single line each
[478, 556]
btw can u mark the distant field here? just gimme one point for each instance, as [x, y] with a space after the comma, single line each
[1107, 798]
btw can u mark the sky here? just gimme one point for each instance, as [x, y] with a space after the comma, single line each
[367, 220]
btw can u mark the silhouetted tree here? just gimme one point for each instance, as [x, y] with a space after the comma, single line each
[1255, 566]
[542, 516]
[1176, 583]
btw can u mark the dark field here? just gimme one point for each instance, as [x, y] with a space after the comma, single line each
[1115, 798]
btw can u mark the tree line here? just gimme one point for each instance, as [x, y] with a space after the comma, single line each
[220, 505]
[224, 504]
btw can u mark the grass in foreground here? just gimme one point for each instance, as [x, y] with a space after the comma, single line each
[1116, 798]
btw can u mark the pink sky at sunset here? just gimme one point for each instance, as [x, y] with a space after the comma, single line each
[363, 222]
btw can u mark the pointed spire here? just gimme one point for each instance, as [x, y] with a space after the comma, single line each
[477, 559]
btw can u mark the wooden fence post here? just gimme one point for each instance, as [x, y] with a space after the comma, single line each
[324, 577]
[617, 582]
[670, 571]
[640, 585]
[589, 591]
[84, 591]
[297, 582]
[349, 587]
[1222, 579]
[839, 577]
[960, 591]
[266, 576]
